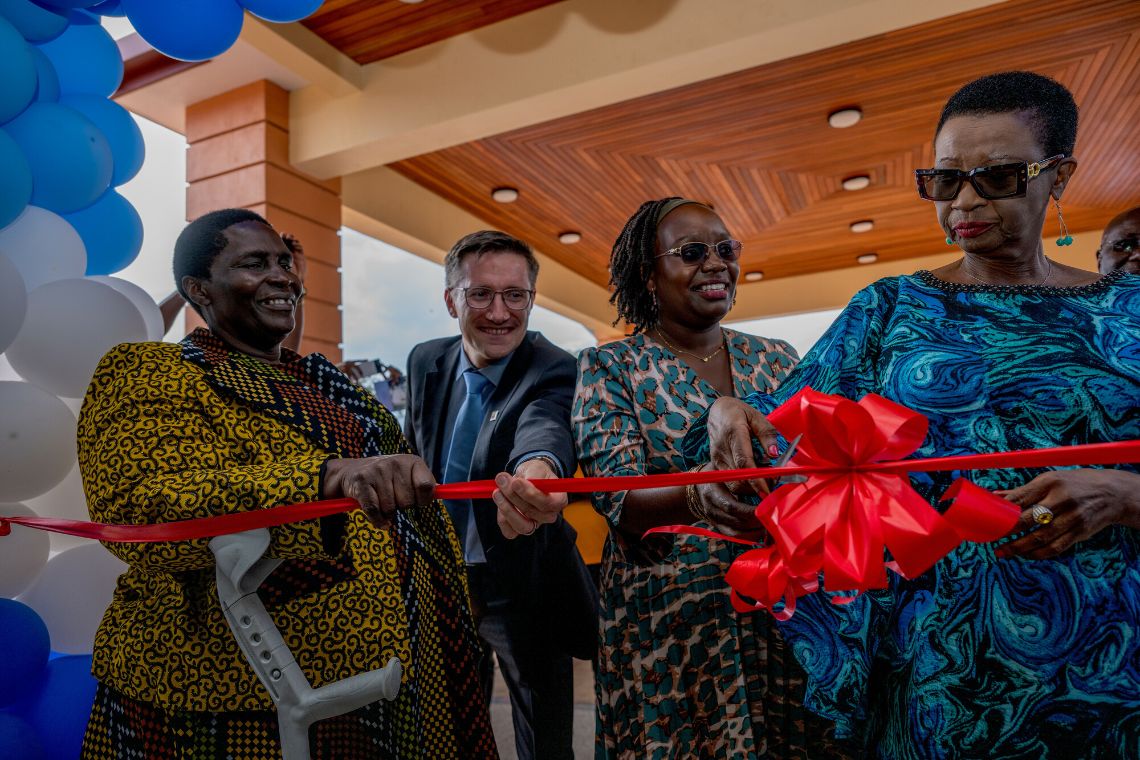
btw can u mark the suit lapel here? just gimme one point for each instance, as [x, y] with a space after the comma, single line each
[437, 388]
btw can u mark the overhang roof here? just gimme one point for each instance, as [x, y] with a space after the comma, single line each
[757, 145]
[368, 31]
[590, 107]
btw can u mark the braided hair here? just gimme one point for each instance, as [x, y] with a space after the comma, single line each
[631, 266]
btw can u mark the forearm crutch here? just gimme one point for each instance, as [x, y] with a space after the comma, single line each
[241, 568]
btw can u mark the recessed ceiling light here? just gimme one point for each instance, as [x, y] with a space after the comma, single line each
[570, 238]
[845, 117]
[868, 258]
[411, 2]
[754, 276]
[858, 182]
[505, 194]
[863, 225]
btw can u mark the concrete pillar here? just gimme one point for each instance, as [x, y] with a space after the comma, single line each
[238, 157]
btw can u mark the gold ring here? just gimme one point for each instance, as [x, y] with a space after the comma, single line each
[533, 527]
[1041, 514]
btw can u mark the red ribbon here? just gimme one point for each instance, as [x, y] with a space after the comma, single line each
[857, 501]
[854, 502]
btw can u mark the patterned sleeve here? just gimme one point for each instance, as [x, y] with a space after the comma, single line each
[842, 362]
[606, 431]
[152, 449]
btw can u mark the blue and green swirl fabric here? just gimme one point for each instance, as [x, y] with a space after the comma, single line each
[983, 657]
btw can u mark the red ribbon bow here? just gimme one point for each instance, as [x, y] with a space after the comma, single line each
[840, 520]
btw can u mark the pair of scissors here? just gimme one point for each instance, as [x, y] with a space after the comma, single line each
[786, 457]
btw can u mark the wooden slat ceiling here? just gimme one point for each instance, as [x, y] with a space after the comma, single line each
[371, 30]
[756, 144]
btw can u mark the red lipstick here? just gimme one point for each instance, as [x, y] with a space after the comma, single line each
[971, 229]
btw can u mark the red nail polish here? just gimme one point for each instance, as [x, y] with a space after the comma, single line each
[773, 451]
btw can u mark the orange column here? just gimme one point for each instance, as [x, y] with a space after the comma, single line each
[238, 157]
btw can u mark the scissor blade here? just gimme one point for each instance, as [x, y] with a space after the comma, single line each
[788, 452]
[787, 457]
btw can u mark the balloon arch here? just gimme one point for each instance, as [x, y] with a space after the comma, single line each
[64, 230]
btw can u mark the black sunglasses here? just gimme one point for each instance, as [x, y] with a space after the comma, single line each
[696, 253]
[989, 182]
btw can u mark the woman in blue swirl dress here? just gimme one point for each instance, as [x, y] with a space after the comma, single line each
[1028, 648]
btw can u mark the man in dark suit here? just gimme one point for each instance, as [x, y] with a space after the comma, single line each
[495, 403]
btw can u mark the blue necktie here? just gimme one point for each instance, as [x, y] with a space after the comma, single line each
[458, 466]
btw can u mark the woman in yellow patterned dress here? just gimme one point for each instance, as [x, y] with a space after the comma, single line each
[229, 421]
[680, 673]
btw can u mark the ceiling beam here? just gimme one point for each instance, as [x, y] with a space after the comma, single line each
[564, 59]
[310, 57]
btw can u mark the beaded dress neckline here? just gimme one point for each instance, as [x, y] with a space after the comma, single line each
[929, 278]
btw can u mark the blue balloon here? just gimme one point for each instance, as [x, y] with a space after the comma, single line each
[24, 642]
[120, 129]
[282, 11]
[187, 31]
[70, 158]
[15, 180]
[58, 710]
[67, 5]
[84, 17]
[108, 8]
[17, 72]
[87, 60]
[18, 739]
[36, 24]
[112, 231]
[47, 81]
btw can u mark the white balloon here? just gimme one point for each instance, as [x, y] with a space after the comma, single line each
[6, 371]
[44, 247]
[69, 326]
[23, 552]
[71, 594]
[68, 501]
[151, 314]
[13, 301]
[37, 441]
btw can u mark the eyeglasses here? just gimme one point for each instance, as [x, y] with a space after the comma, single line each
[989, 182]
[696, 253]
[515, 299]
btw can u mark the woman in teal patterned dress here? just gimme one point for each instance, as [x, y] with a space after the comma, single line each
[1029, 648]
[680, 673]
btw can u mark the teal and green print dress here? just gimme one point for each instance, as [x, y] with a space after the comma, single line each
[680, 673]
[982, 657]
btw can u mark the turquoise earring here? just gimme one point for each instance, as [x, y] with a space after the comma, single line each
[949, 240]
[1066, 238]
